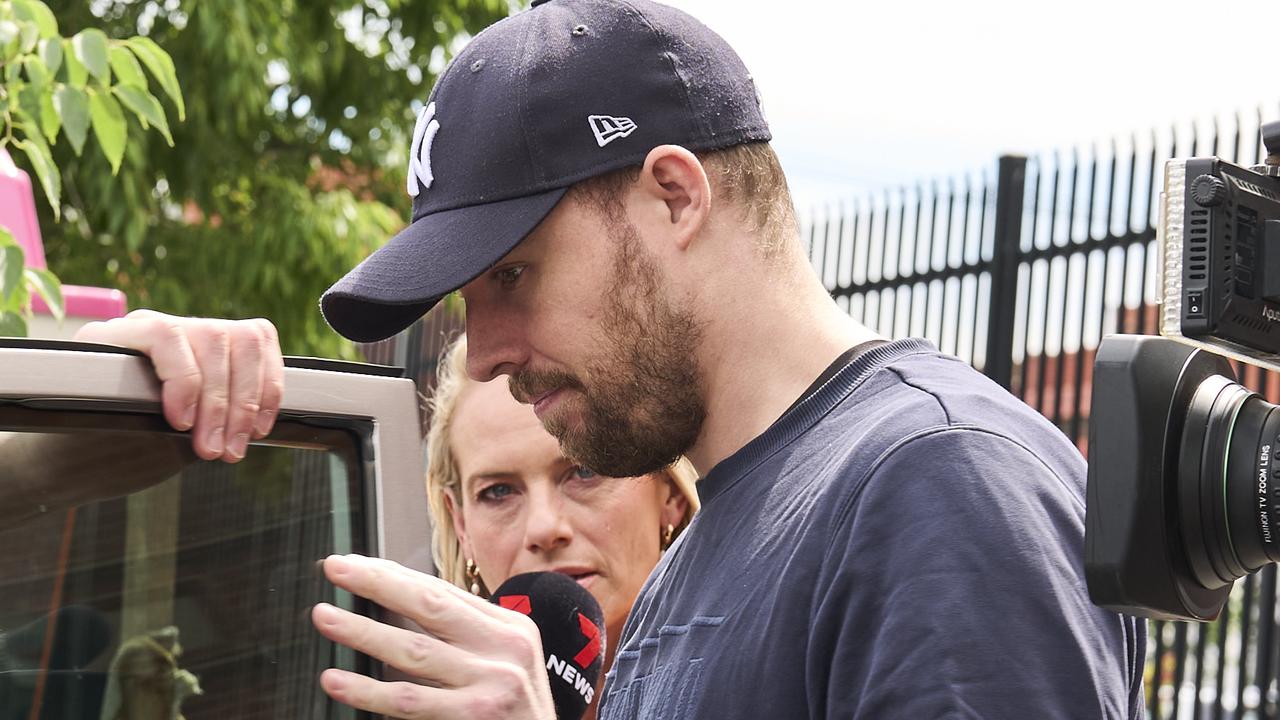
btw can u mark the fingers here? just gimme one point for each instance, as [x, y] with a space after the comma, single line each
[163, 338]
[424, 599]
[255, 384]
[478, 603]
[483, 661]
[394, 700]
[221, 379]
[272, 379]
[212, 347]
[245, 383]
[438, 606]
[419, 655]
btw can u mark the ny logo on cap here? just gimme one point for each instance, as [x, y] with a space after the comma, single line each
[420, 150]
[608, 128]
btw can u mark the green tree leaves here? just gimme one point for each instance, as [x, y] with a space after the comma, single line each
[41, 160]
[16, 285]
[67, 85]
[50, 85]
[161, 66]
[72, 105]
[10, 40]
[126, 67]
[90, 47]
[50, 51]
[38, 14]
[17, 282]
[47, 286]
[288, 169]
[145, 106]
[108, 126]
[11, 266]
[77, 75]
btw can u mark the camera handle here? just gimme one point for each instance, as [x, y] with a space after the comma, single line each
[1271, 141]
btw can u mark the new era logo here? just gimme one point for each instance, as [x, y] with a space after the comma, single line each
[608, 128]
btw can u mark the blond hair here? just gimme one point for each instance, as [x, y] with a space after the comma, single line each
[443, 476]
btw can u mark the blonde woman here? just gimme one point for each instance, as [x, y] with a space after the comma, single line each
[504, 500]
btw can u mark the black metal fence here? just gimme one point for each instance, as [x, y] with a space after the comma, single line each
[1021, 274]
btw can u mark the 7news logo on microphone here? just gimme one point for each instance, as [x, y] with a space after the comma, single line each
[569, 620]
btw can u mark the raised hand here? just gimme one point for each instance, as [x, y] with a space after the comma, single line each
[481, 661]
[221, 379]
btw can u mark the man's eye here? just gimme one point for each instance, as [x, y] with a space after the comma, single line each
[508, 276]
[582, 473]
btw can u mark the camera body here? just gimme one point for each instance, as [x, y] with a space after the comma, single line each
[1183, 493]
[1219, 234]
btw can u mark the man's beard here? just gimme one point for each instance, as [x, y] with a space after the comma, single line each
[646, 404]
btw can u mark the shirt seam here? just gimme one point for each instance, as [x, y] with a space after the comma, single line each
[932, 395]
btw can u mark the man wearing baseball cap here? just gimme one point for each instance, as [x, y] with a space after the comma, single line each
[884, 532]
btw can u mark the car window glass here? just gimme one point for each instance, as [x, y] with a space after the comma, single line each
[191, 596]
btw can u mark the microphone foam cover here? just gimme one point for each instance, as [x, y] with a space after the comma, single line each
[572, 628]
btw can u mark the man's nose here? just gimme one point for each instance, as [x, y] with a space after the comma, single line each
[495, 344]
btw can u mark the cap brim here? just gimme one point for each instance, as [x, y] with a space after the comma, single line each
[432, 257]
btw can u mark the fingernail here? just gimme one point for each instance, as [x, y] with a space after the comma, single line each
[326, 614]
[188, 417]
[215, 441]
[263, 425]
[239, 444]
[336, 564]
[334, 680]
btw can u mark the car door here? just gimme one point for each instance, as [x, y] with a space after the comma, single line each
[139, 581]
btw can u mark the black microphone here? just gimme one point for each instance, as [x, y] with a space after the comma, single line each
[572, 628]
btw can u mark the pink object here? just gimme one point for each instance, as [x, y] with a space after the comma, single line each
[18, 210]
[18, 216]
[91, 303]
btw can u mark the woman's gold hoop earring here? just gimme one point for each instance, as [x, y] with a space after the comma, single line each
[473, 576]
[668, 535]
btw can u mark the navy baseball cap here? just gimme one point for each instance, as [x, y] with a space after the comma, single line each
[551, 96]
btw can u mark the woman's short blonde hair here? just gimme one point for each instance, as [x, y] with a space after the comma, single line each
[442, 470]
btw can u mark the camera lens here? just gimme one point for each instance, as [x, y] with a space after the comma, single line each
[1228, 506]
[1253, 505]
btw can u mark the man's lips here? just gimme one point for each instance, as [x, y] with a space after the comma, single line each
[542, 403]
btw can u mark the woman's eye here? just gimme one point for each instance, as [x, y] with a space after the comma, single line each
[495, 492]
[508, 276]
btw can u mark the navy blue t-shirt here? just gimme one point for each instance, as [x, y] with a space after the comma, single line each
[905, 542]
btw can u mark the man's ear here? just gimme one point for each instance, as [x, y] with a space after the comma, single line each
[675, 177]
[459, 523]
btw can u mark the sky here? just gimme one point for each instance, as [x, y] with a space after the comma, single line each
[863, 96]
